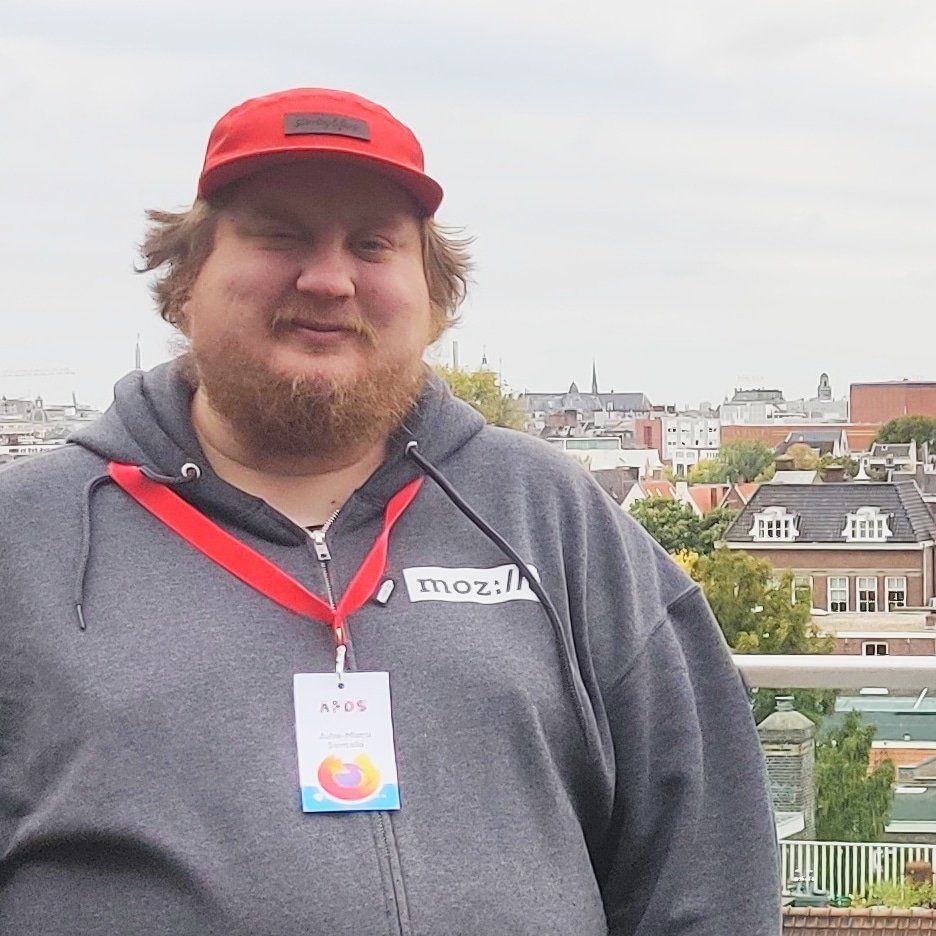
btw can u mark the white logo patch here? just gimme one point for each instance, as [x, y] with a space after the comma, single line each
[479, 586]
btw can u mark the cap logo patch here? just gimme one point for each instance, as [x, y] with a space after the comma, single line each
[329, 124]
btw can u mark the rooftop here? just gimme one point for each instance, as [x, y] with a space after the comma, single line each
[823, 510]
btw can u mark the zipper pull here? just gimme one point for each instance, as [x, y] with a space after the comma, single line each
[320, 546]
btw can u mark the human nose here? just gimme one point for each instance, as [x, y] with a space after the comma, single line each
[326, 271]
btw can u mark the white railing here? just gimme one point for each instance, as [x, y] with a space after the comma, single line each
[843, 868]
[847, 868]
[837, 671]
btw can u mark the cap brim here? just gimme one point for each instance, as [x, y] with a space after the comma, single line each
[426, 192]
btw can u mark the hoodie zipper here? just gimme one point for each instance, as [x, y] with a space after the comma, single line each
[387, 842]
[323, 554]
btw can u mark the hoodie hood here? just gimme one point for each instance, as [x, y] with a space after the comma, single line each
[149, 424]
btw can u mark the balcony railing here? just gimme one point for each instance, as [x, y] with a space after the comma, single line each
[838, 671]
[845, 868]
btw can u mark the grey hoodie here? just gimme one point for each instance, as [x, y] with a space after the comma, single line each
[606, 782]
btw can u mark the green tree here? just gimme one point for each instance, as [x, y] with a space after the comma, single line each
[482, 389]
[804, 457]
[853, 804]
[745, 459]
[904, 428]
[758, 612]
[673, 524]
[678, 528]
[712, 529]
[708, 471]
[844, 461]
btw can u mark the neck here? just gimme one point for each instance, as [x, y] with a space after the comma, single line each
[307, 488]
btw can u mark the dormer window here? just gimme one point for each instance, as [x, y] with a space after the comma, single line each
[867, 525]
[774, 524]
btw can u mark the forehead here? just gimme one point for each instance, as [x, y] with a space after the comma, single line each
[327, 188]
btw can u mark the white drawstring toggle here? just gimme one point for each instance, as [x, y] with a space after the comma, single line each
[341, 652]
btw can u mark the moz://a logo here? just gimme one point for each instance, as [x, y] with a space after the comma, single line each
[479, 586]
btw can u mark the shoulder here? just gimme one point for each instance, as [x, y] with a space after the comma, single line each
[532, 458]
[42, 480]
[623, 581]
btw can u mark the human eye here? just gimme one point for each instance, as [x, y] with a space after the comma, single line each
[273, 232]
[284, 235]
[373, 245]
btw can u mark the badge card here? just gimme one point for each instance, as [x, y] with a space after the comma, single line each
[347, 760]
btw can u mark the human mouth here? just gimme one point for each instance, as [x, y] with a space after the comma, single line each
[323, 327]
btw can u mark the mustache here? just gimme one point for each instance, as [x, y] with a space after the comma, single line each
[353, 322]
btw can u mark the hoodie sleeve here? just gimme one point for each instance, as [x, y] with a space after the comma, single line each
[691, 849]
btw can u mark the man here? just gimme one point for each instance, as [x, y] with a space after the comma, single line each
[203, 592]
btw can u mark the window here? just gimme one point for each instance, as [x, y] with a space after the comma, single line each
[774, 524]
[867, 525]
[838, 593]
[874, 649]
[896, 587]
[867, 593]
[802, 589]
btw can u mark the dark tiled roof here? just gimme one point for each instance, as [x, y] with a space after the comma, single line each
[814, 435]
[823, 510]
[898, 450]
[914, 807]
[890, 726]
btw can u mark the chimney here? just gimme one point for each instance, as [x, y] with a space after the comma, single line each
[788, 740]
[833, 473]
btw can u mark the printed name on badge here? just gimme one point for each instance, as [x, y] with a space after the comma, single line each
[478, 586]
[347, 760]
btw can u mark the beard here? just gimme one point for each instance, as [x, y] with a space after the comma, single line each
[278, 416]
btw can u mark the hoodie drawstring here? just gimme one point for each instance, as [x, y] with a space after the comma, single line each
[85, 551]
[567, 648]
[188, 472]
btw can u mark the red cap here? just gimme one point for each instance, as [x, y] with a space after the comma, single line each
[309, 122]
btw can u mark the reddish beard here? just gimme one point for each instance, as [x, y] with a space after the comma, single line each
[278, 416]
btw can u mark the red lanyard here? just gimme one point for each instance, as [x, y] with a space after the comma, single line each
[255, 570]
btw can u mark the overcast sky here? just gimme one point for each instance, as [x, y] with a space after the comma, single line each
[699, 195]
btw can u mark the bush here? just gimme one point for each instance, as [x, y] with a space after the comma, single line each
[900, 895]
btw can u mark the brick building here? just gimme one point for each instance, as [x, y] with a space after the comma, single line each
[905, 632]
[881, 402]
[861, 547]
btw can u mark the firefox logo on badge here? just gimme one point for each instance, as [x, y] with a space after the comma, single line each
[349, 781]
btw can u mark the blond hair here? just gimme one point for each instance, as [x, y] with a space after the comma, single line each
[177, 243]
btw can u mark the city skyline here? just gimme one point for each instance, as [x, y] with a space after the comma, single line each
[699, 196]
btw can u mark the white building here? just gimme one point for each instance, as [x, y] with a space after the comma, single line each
[600, 454]
[689, 438]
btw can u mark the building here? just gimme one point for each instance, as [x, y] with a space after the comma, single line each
[600, 453]
[905, 734]
[901, 632]
[861, 547]
[822, 408]
[833, 442]
[689, 438]
[886, 400]
[859, 437]
[739, 495]
[768, 407]
[890, 456]
[752, 406]
[577, 410]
